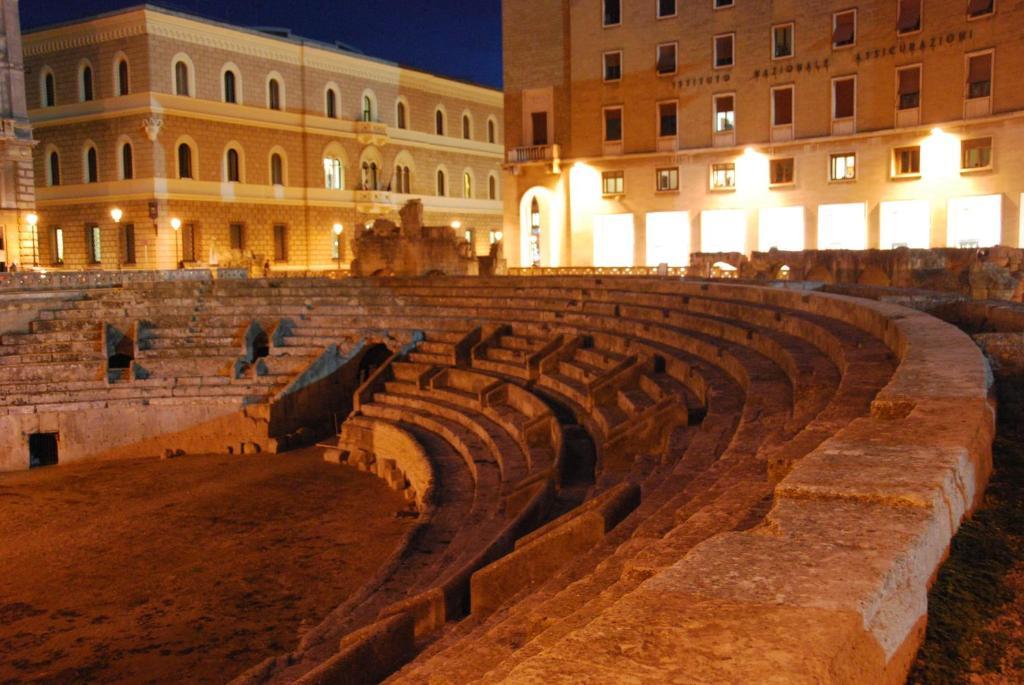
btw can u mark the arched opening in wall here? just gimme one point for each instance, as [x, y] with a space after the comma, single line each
[276, 170]
[467, 184]
[53, 168]
[467, 127]
[492, 187]
[372, 360]
[49, 89]
[874, 276]
[230, 87]
[537, 242]
[86, 92]
[127, 162]
[401, 114]
[439, 122]
[369, 107]
[274, 94]
[233, 166]
[334, 167]
[185, 161]
[441, 183]
[123, 86]
[331, 104]
[783, 273]
[724, 270]
[492, 131]
[92, 165]
[182, 78]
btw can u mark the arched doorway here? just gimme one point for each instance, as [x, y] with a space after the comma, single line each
[537, 233]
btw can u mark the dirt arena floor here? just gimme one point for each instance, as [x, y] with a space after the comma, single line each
[182, 571]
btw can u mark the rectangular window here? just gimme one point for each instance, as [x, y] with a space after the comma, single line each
[128, 244]
[844, 28]
[236, 236]
[979, 75]
[666, 8]
[612, 12]
[906, 161]
[57, 245]
[280, 243]
[781, 171]
[667, 58]
[782, 106]
[725, 113]
[539, 121]
[980, 8]
[782, 41]
[613, 66]
[843, 97]
[613, 182]
[668, 179]
[722, 4]
[723, 176]
[909, 19]
[843, 167]
[668, 120]
[976, 153]
[908, 81]
[724, 50]
[613, 125]
[189, 243]
[92, 242]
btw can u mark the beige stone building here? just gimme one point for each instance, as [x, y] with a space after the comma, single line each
[640, 131]
[256, 144]
[17, 189]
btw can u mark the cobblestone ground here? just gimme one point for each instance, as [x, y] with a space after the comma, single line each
[182, 571]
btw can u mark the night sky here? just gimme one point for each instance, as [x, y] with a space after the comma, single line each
[459, 38]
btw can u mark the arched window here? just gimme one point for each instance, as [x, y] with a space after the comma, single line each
[92, 166]
[127, 162]
[332, 104]
[439, 122]
[230, 87]
[185, 161]
[276, 170]
[441, 184]
[467, 127]
[492, 133]
[87, 90]
[49, 90]
[492, 188]
[400, 115]
[234, 166]
[181, 79]
[122, 77]
[398, 180]
[467, 185]
[334, 174]
[274, 94]
[54, 169]
[367, 108]
[406, 180]
[370, 176]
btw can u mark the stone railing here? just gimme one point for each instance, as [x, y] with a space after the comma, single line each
[533, 153]
[71, 280]
[675, 271]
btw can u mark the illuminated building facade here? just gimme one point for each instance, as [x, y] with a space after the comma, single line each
[259, 144]
[638, 132]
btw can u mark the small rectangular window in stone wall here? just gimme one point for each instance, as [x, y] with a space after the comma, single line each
[280, 243]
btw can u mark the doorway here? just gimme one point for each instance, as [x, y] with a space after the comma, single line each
[42, 450]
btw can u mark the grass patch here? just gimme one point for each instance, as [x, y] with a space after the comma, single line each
[971, 589]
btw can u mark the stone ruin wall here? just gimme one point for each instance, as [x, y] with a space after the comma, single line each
[989, 273]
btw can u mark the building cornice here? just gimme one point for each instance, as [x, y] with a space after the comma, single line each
[191, 30]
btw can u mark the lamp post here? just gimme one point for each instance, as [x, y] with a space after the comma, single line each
[338, 230]
[32, 220]
[176, 225]
[116, 215]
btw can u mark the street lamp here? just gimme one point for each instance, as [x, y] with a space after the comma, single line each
[176, 225]
[32, 220]
[116, 215]
[338, 229]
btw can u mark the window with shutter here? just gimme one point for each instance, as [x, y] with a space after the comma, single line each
[909, 19]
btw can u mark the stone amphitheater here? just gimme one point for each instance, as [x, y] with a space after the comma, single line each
[614, 479]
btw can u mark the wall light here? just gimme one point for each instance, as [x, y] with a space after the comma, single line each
[116, 215]
[176, 223]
